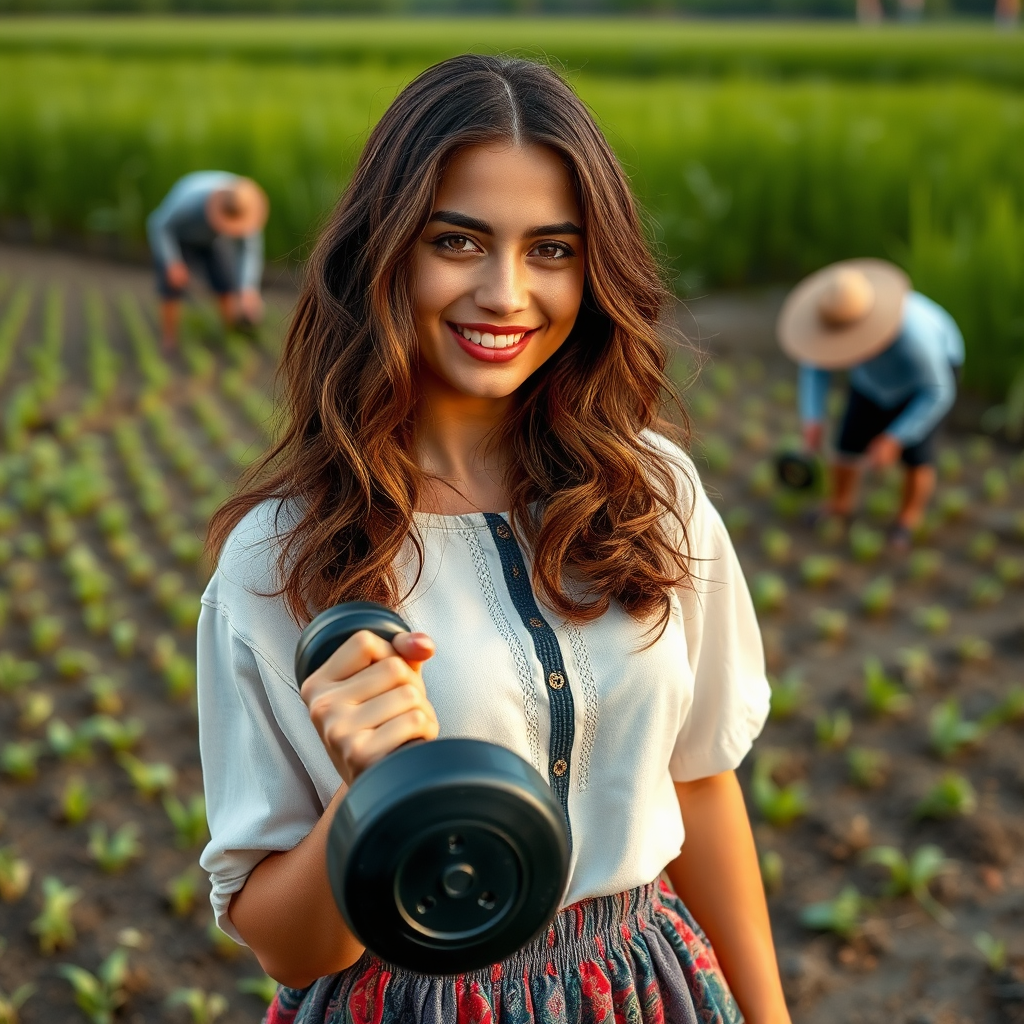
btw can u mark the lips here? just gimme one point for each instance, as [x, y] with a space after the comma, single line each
[492, 343]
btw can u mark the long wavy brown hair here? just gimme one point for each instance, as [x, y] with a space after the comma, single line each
[587, 496]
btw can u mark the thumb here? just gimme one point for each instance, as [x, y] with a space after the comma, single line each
[415, 648]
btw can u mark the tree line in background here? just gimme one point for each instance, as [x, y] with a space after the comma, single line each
[864, 9]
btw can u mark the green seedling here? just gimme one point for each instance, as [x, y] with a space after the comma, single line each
[830, 624]
[22, 576]
[189, 820]
[32, 546]
[99, 995]
[124, 635]
[982, 546]
[716, 452]
[723, 379]
[841, 915]
[36, 708]
[204, 1007]
[187, 549]
[878, 597]
[953, 504]
[113, 853]
[917, 667]
[15, 674]
[833, 731]
[993, 950]
[913, 876]
[113, 518]
[140, 569]
[91, 586]
[1009, 710]
[761, 481]
[932, 618]
[148, 779]
[45, 633]
[737, 521]
[866, 544]
[98, 618]
[705, 407]
[772, 871]
[165, 650]
[820, 570]
[106, 695]
[783, 392]
[949, 733]
[986, 591]
[184, 611]
[776, 545]
[182, 892]
[75, 800]
[71, 663]
[952, 796]
[123, 545]
[180, 676]
[973, 650]
[117, 735]
[882, 503]
[768, 591]
[67, 743]
[29, 606]
[264, 988]
[950, 465]
[995, 486]
[779, 805]
[20, 759]
[754, 436]
[60, 535]
[224, 946]
[883, 695]
[15, 874]
[11, 1004]
[54, 926]
[1010, 571]
[869, 769]
[789, 694]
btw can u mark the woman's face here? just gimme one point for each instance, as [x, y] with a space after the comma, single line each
[498, 271]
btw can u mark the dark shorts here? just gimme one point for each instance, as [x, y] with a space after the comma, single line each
[220, 261]
[864, 420]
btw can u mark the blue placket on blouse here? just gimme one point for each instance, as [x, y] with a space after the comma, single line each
[545, 643]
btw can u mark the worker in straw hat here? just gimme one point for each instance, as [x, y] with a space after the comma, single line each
[213, 220]
[901, 351]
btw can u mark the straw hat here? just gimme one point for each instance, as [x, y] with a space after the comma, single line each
[238, 209]
[843, 314]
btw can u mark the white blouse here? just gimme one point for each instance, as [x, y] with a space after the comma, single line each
[636, 718]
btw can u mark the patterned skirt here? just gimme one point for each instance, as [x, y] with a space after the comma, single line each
[634, 958]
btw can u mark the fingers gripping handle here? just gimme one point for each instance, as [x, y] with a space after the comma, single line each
[330, 629]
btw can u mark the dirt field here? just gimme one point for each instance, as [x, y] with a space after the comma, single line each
[109, 471]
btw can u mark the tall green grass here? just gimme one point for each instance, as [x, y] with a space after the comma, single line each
[646, 47]
[743, 180]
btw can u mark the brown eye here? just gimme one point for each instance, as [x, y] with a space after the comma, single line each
[456, 243]
[553, 251]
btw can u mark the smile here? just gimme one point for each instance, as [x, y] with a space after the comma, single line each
[492, 343]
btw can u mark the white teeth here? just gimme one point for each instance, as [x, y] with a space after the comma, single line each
[491, 340]
[488, 341]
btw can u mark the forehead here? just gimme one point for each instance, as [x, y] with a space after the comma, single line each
[507, 184]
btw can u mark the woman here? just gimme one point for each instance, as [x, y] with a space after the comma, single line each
[472, 379]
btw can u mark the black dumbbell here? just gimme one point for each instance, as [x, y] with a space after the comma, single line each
[446, 856]
[797, 470]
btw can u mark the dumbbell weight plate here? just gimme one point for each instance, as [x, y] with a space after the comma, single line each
[444, 856]
[797, 471]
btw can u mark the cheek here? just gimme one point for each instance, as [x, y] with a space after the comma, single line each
[435, 287]
[565, 299]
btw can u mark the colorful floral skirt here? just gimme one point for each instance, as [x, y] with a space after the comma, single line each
[634, 958]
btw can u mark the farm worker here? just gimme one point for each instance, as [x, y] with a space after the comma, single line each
[213, 219]
[901, 350]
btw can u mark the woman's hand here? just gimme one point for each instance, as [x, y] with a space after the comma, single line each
[368, 699]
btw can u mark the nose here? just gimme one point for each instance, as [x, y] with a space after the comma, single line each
[502, 288]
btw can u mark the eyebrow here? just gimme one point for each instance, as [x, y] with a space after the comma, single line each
[462, 220]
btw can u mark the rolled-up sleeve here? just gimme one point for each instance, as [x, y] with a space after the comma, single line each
[731, 694]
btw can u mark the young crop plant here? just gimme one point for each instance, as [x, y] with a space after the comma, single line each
[842, 915]
[184, 611]
[106, 695]
[118, 735]
[789, 694]
[11, 1004]
[778, 805]
[124, 635]
[1008, 711]
[15, 874]
[264, 988]
[716, 453]
[883, 695]
[189, 820]
[916, 666]
[878, 597]
[953, 504]
[982, 546]
[949, 732]
[70, 744]
[772, 870]
[46, 633]
[71, 662]
[932, 618]
[75, 800]
[820, 570]
[995, 486]
[15, 674]
[950, 465]
[974, 650]
[148, 779]
[866, 544]
[20, 759]
[768, 591]
[913, 876]
[737, 521]
[223, 945]
[115, 852]
[761, 481]
[986, 591]
[952, 796]
[833, 731]
[54, 926]
[882, 503]
[99, 995]
[776, 545]
[993, 950]
[36, 708]
[203, 1007]
[1010, 570]
[830, 624]
[182, 891]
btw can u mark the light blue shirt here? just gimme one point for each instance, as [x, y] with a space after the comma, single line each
[918, 366]
[181, 217]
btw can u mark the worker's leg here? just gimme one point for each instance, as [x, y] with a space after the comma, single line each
[918, 487]
[227, 303]
[842, 492]
[170, 321]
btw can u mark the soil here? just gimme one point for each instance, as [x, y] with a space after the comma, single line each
[896, 964]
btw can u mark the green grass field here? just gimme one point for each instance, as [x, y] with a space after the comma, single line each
[744, 179]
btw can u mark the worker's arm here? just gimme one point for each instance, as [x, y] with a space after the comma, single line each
[718, 878]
